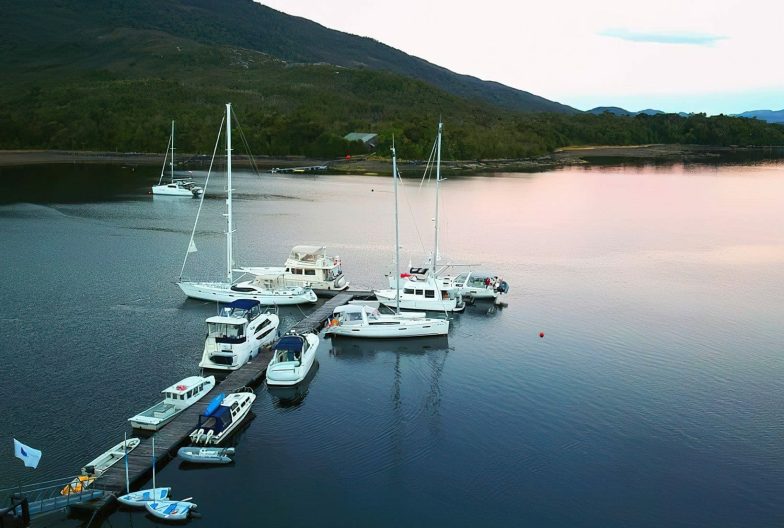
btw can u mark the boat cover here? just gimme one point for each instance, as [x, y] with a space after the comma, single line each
[292, 343]
[214, 404]
[245, 304]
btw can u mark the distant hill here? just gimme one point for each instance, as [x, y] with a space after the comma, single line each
[615, 110]
[771, 116]
[111, 74]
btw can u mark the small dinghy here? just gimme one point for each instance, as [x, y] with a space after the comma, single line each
[137, 499]
[170, 510]
[206, 455]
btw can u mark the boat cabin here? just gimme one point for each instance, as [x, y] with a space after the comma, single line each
[230, 326]
[289, 349]
[183, 393]
[313, 263]
[218, 418]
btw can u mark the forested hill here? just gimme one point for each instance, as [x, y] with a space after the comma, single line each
[111, 74]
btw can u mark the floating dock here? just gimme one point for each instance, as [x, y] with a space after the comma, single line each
[174, 434]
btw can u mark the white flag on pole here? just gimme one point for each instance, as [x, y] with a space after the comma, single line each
[192, 247]
[27, 454]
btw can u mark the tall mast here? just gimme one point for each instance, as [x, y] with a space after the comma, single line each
[230, 227]
[397, 233]
[438, 180]
[172, 152]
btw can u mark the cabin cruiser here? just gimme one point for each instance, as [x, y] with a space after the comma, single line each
[354, 320]
[476, 285]
[236, 335]
[420, 291]
[309, 267]
[222, 416]
[176, 399]
[292, 357]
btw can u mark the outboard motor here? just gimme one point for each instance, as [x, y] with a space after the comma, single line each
[503, 287]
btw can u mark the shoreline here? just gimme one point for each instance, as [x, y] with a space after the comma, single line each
[563, 157]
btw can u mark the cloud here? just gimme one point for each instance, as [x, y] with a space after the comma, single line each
[663, 37]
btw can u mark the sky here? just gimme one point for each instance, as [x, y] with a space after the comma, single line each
[713, 56]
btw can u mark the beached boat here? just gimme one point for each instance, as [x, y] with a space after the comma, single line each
[206, 455]
[222, 417]
[419, 289]
[177, 186]
[237, 335]
[176, 399]
[170, 510]
[310, 267]
[292, 357]
[268, 290]
[98, 465]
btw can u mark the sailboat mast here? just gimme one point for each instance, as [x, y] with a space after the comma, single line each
[438, 180]
[230, 227]
[397, 233]
[172, 152]
[154, 494]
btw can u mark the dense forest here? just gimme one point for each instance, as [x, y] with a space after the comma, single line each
[118, 88]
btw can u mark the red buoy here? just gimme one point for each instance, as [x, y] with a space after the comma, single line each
[541, 334]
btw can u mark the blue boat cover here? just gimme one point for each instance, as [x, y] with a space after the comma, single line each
[290, 343]
[245, 304]
[214, 404]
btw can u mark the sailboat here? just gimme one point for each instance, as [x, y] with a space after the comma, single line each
[137, 499]
[421, 290]
[353, 320]
[266, 289]
[177, 186]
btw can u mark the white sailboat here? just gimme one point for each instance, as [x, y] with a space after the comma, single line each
[177, 186]
[354, 320]
[137, 499]
[421, 290]
[268, 290]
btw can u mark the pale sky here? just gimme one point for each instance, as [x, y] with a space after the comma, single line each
[714, 56]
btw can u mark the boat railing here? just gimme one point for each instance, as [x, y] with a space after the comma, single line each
[45, 496]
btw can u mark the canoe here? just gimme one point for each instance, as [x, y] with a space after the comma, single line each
[206, 455]
[137, 499]
[170, 510]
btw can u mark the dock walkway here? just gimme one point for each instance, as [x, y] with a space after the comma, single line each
[169, 438]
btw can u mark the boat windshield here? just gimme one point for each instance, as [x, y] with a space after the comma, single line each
[241, 313]
[225, 330]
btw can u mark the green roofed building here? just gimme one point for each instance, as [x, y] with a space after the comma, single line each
[370, 140]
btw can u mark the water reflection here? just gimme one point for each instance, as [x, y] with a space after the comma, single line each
[287, 397]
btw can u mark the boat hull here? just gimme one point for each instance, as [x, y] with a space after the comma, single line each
[431, 327]
[389, 298]
[222, 292]
[170, 510]
[137, 499]
[206, 455]
[165, 190]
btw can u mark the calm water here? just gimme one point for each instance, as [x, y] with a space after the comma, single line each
[655, 398]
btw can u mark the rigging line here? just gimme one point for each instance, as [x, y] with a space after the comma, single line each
[203, 194]
[247, 145]
[429, 165]
[165, 157]
[411, 211]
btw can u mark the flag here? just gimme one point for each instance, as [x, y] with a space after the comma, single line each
[26, 454]
[191, 247]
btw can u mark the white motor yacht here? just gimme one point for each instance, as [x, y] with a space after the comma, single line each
[292, 357]
[309, 267]
[176, 399]
[352, 320]
[419, 290]
[222, 417]
[237, 335]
